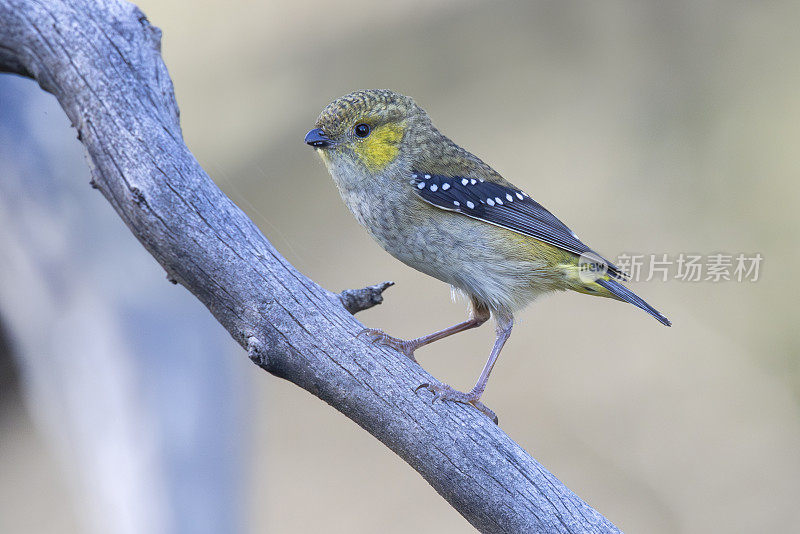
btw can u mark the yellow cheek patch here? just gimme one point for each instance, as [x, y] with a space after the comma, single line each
[381, 147]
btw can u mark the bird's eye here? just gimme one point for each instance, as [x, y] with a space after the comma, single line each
[361, 130]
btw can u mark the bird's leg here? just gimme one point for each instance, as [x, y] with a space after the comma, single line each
[479, 314]
[444, 392]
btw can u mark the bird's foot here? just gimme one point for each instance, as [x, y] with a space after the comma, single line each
[380, 337]
[444, 392]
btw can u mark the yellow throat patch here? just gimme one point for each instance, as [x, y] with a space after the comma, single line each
[381, 147]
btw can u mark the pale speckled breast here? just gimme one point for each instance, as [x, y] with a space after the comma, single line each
[495, 265]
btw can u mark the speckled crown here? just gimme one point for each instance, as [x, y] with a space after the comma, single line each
[383, 104]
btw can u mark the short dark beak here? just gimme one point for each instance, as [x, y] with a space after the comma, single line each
[317, 138]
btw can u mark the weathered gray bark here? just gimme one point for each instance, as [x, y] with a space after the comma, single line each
[101, 60]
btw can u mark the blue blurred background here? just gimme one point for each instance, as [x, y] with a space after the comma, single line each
[649, 127]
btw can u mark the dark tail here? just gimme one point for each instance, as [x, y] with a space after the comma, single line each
[623, 293]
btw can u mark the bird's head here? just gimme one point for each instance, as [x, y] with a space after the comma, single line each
[365, 133]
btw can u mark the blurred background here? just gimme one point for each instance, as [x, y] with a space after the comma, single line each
[649, 127]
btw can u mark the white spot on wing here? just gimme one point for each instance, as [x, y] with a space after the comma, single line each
[519, 196]
[509, 198]
[490, 201]
[427, 176]
[445, 186]
[456, 203]
[421, 185]
[434, 187]
[470, 205]
[497, 199]
[473, 181]
[464, 181]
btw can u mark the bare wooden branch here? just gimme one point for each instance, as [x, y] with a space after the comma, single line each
[101, 59]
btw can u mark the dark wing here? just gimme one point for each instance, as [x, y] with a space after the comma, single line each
[504, 206]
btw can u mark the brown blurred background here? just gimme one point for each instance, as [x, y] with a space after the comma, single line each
[649, 127]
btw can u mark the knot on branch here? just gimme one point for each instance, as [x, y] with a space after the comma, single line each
[137, 197]
[356, 300]
[255, 350]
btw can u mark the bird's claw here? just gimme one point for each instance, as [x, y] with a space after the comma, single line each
[419, 387]
[379, 337]
[443, 392]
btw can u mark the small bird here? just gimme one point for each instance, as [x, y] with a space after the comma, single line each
[443, 211]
